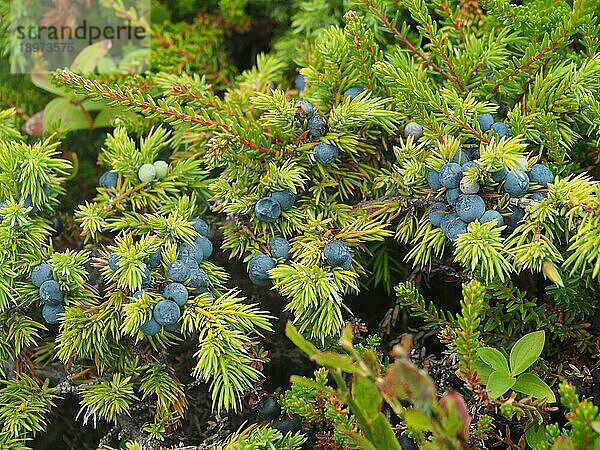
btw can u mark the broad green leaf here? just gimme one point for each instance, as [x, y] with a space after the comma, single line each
[531, 384]
[417, 420]
[87, 60]
[483, 371]
[43, 80]
[366, 396]
[70, 116]
[382, 436]
[334, 360]
[494, 358]
[299, 341]
[106, 65]
[93, 104]
[536, 438]
[526, 351]
[498, 383]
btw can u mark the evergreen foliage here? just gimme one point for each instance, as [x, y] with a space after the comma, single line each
[342, 182]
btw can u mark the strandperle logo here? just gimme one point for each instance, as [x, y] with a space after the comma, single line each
[85, 31]
[111, 36]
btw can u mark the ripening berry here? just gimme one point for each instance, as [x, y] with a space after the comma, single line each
[304, 110]
[317, 125]
[541, 174]
[517, 213]
[460, 157]
[501, 130]
[166, 312]
[199, 280]
[470, 207]
[178, 271]
[150, 327]
[353, 91]
[258, 269]
[500, 175]
[50, 292]
[190, 252]
[448, 218]
[146, 278]
[268, 408]
[346, 264]
[108, 180]
[516, 183]
[468, 187]
[492, 214]
[288, 424]
[279, 248]
[413, 129]
[336, 253]
[113, 261]
[50, 312]
[147, 173]
[300, 82]
[267, 210]
[176, 292]
[454, 229]
[452, 196]
[486, 121]
[28, 203]
[155, 259]
[538, 197]
[433, 179]
[40, 274]
[205, 246]
[326, 153]
[200, 226]
[286, 198]
[161, 168]
[469, 165]
[171, 328]
[437, 212]
[450, 175]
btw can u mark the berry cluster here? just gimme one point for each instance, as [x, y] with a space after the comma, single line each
[50, 292]
[335, 253]
[268, 209]
[184, 274]
[148, 172]
[259, 266]
[113, 263]
[463, 202]
[268, 409]
[323, 153]
[27, 201]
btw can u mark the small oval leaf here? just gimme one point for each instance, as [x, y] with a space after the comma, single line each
[499, 383]
[493, 358]
[531, 384]
[526, 351]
